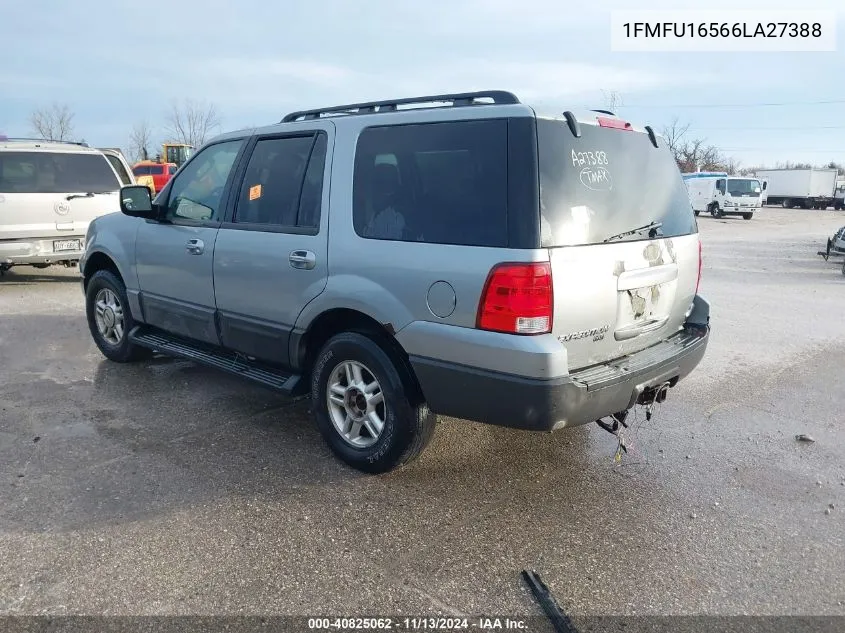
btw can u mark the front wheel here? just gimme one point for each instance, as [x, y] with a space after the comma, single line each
[362, 407]
[747, 216]
[110, 319]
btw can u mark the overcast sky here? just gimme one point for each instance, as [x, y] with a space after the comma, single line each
[116, 63]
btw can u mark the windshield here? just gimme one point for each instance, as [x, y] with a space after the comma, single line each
[44, 172]
[605, 183]
[743, 187]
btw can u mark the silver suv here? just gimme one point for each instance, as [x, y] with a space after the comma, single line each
[453, 255]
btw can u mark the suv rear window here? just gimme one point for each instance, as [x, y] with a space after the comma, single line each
[442, 183]
[607, 182]
[46, 172]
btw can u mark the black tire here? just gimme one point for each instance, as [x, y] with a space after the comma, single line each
[716, 212]
[747, 216]
[786, 203]
[123, 351]
[408, 425]
[696, 213]
[41, 266]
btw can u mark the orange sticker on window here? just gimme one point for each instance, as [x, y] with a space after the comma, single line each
[255, 192]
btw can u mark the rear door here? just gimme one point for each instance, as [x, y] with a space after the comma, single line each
[271, 257]
[54, 194]
[174, 256]
[617, 290]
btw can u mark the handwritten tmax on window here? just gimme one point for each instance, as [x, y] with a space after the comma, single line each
[594, 173]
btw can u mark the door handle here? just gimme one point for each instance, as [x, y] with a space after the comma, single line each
[195, 247]
[305, 260]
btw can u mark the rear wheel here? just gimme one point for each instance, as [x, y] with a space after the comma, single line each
[747, 216]
[362, 407]
[110, 319]
[786, 203]
[696, 213]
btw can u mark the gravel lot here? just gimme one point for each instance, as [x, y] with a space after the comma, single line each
[167, 488]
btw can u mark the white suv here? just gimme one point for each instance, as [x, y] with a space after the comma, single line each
[49, 192]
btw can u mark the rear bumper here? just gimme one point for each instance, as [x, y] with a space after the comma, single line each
[39, 250]
[579, 398]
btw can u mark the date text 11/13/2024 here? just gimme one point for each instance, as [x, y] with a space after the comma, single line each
[417, 624]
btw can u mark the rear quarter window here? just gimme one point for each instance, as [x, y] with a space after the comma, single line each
[442, 183]
[607, 182]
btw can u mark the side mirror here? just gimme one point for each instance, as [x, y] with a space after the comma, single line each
[137, 201]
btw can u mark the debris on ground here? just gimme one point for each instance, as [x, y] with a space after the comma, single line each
[803, 437]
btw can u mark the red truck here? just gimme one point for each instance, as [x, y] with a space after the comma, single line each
[154, 175]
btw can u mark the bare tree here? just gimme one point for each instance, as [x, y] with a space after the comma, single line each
[192, 122]
[139, 141]
[674, 134]
[612, 99]
[54, 123]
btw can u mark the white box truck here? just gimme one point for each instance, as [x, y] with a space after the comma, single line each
[839, 195]
[725, 195]
[807, 188]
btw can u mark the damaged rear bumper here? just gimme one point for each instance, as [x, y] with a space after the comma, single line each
[579, 398]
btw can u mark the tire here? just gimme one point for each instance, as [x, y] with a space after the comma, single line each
[106, 286]
[407, 426]
[786, 204]
[41, 266]
[808, 204]
[747, 216]
[696, 213]
[716, 212]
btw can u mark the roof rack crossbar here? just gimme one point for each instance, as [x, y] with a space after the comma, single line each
[499, 97]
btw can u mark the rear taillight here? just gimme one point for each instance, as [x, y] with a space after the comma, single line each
[698, 282]
[517, 299]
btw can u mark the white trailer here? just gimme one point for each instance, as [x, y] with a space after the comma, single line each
[807, 188]
[725, 195]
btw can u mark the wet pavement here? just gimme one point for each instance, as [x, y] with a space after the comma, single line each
[167, 488]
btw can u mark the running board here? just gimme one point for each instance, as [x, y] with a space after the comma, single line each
[216, 357]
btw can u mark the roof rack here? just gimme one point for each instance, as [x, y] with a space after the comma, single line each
[499, 97]
[3, 139]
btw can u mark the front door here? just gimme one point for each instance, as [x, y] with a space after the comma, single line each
[271, 254]
[174, 256]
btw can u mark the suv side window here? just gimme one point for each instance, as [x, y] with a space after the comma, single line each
[196, 193]
[440, 183]
[119, 168]
[283, 182]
